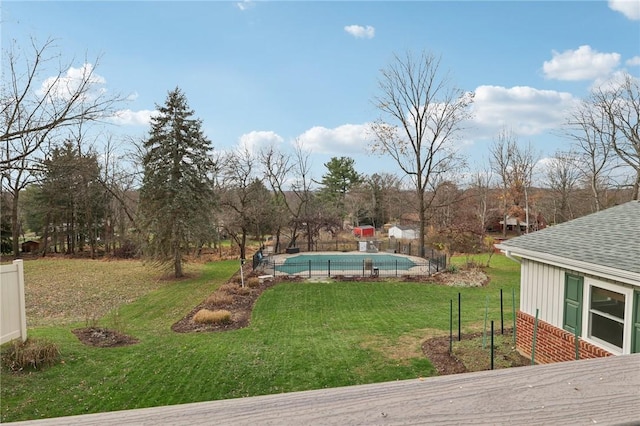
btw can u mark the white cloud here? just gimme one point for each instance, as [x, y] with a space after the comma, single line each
[581, 64]
[252, 141]
[348, 138]
[64, 86]
[245, 5]
[126, 117]
[633, 62]
[359, 31]
[132, 96]
[525, 110]
[629, 8]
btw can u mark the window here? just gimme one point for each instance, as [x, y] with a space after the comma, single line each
[609, 311]
[572, 320]
[606, 316]
[635, 329]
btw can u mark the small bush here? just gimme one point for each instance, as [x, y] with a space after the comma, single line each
[32, 354]
[205, 316]
[243, 291]
[452, 268]
[230, 288]
[219, 299]
[253, 282]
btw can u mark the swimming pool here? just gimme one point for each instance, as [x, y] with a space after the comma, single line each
[348, 264]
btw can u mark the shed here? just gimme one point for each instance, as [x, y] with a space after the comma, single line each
[364, 231]
[403, 232]
[580, 278]
[30, 246]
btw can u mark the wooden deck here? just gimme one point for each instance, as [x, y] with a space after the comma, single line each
[597, 391]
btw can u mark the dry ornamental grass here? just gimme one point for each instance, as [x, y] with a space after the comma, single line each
[205, 316]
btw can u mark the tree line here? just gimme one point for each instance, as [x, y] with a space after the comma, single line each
[172, 193]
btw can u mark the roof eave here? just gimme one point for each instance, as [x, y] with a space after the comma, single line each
[632, 278]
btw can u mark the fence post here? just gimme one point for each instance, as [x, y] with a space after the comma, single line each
[501, 314]
[459, 316]
[450, 326]
[16, 324]
[513, 306]
[492, 353]
[484, 328]
[533, 343]
[329, 267]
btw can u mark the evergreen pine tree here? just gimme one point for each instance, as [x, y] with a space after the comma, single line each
[177, 191]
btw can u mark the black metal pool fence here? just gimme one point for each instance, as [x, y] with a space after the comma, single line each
[345, 267]
[411, 248]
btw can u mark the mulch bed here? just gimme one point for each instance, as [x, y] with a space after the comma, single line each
[241, 308]
[436, 350]
[103, 337]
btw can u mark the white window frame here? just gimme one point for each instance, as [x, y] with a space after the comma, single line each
[627, 292]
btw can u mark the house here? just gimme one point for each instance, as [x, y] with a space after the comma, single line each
[580, 278]
[495, 222]
[364, 231]
[403, 232]
[30, 246]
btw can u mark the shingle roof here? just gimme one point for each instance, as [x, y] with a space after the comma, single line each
[609, 237]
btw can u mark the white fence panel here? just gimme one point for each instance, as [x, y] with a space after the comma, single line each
[13, 316]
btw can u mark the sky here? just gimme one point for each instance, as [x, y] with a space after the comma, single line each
[277, 72]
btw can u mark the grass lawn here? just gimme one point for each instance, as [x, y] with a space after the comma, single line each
[302, 336]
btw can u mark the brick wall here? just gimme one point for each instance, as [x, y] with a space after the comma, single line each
[552, 344]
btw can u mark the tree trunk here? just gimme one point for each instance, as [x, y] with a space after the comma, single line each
[177, 262]
[594, 191]
[15, 229]
[422, 211]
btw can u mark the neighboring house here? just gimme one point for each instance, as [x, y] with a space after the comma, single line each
[364, 231]
[495, 222]
[513, 223]
[403, 232]
[30, 246]
[582, 277]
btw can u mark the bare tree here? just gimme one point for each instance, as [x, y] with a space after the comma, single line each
[591, 132]
[563, 178]
[501, 161]
[33, 108]
[514, 167]
[119, 178]
[290, 179]
[14, 180]
[244, 199]
[65, 98]
[422, 117]
[480, 189]
[619, 102]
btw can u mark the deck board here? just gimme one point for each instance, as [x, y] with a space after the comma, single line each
[597, 391]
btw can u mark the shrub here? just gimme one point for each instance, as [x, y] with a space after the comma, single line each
[128, 250]
[253, 282]
[243, 291]
[230, 288]
[219, 298]
[205, 316]
[32, 354]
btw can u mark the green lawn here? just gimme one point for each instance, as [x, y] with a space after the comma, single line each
[302, 336]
